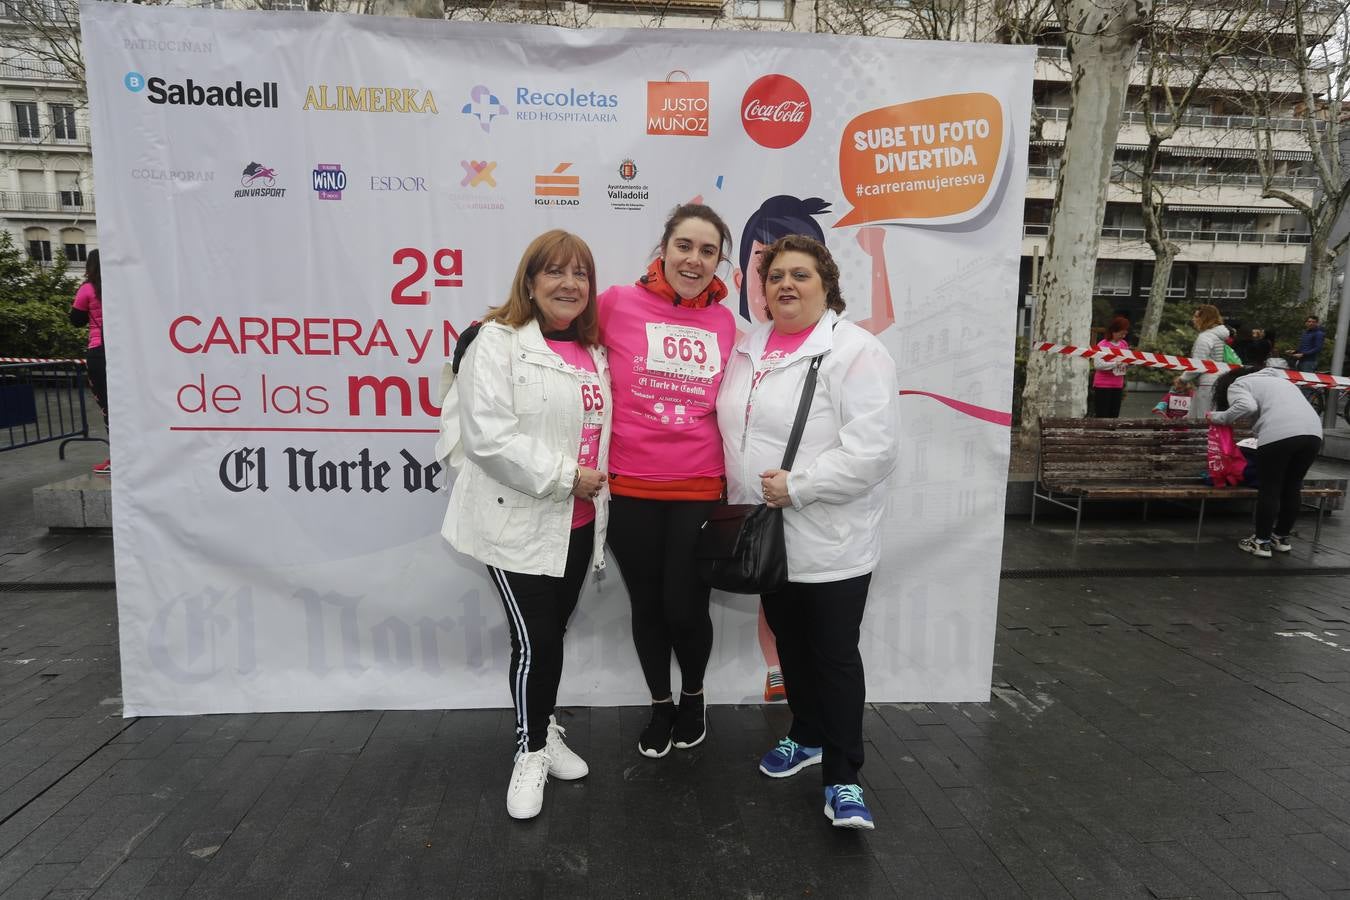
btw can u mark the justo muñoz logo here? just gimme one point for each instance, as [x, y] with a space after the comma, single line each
[775, 111]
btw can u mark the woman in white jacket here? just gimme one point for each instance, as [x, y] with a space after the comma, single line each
[526, 427]
[1209, 344]
[833, 501]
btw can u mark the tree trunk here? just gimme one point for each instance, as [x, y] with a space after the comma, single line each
[1157, 294]
[1321, 259]
[1103, 38]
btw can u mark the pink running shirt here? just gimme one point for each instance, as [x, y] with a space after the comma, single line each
[592, 417]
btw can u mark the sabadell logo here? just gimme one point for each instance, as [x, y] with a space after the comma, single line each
[161, 91]
[775, 111]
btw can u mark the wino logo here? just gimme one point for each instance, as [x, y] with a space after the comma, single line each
[484, 106]
[329, 181]
[557, 189]
[259, 181]
[677, 108]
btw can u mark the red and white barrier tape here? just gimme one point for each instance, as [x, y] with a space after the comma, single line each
[25, 359]
[1184, 363]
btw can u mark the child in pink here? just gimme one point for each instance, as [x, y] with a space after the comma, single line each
[1108, 377]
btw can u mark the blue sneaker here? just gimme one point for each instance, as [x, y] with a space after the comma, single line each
[788, 758]
[844, 807]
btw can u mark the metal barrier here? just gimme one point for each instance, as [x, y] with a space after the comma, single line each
[43, 400]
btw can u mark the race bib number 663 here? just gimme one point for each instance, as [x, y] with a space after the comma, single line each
[682, 350]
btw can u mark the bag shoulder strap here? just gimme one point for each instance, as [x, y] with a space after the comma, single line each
[803, 408]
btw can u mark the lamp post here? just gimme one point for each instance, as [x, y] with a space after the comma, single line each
[1338, 351]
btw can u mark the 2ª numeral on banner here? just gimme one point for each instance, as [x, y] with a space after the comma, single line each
[449, 266]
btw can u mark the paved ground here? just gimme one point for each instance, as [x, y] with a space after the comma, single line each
[1168, 719]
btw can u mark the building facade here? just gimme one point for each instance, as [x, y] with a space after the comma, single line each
[1228, 233]
[46, 164]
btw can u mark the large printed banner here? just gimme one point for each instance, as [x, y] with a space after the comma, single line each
[299, 212]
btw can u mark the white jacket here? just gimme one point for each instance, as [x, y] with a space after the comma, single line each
[1208, 345]
[511, 429]
[848, 449]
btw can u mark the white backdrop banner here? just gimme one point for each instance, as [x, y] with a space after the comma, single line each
[298, 212]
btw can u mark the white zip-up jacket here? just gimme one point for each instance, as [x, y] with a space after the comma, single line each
[1208, 345]
[848, 449]
[511, 429]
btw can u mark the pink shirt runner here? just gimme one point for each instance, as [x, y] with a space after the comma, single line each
[592, 417]
[1113, 377]
[87, 300]
[666, 363]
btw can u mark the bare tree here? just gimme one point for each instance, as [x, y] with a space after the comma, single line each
[1321, 66]
[48, 43]
[1181, 53]
[1103, 38]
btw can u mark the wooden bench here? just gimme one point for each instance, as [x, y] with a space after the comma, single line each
[1135, 459]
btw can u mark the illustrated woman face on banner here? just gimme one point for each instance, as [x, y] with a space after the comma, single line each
[776, 218]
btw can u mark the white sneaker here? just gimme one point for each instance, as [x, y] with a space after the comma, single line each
[1280, 543]
[564, 764]
[525, 795]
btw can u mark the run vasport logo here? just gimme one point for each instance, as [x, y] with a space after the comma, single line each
[775, 112]
[557, 188]
[484, 106]
[258, 181]
[628, 196]
[163, 92]
[329, 181]
[349, 98]
[677, 106]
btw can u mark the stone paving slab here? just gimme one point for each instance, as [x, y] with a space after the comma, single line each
[1181, 737]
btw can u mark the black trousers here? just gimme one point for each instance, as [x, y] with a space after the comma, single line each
[653, 543]
[816, 627]
[1281, 465]
[96, 363]
[537, 610]
[1106, 402]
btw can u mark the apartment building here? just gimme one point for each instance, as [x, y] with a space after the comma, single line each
[46, 165]
[1228, 233]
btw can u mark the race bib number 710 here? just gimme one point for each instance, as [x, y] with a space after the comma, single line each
[682, 350]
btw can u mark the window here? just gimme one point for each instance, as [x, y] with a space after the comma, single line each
[39, 245]
[72, 199]
[72, 242]
[68, 187]
[761, 9]
[63, 121]
[26, 121]
[1114, 279]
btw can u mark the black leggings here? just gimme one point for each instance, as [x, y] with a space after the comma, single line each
[1106, 402]
[653, 543]
[537, 610]
[1280, 466]
[96, 363]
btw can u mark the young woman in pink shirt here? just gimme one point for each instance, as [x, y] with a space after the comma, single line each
[87, 309]
[669, 339]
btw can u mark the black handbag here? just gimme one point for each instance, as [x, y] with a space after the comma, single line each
[741, 548]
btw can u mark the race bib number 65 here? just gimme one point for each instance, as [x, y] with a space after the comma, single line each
[682, 350]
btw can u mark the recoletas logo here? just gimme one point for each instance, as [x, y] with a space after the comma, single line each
[484, 106]
[163, 92]
[581, 107]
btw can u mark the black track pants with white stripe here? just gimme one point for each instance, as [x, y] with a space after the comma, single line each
[537, 610]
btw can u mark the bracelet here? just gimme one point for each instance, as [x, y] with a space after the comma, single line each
[576, 478]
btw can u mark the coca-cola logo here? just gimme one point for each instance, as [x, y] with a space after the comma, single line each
[775, 111]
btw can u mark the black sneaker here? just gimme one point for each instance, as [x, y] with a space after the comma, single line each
[690, 724]
[655, 739]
